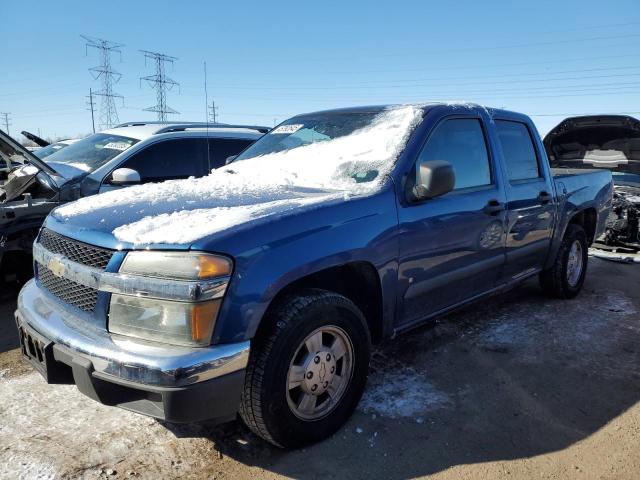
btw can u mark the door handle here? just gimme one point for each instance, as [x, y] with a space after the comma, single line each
[544, 197]
[492, 207]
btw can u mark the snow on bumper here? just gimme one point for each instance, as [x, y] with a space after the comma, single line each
[172, 383]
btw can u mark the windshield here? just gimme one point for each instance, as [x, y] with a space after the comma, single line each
[92, 152]
[49, 149]
[332, 150]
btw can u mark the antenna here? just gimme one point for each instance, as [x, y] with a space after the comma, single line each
[161, 83]
[108, 112]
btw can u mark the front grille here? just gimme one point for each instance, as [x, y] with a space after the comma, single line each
[75, 251]
[68, 291]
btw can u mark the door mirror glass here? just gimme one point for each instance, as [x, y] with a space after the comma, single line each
[124, 176]
[433, 178]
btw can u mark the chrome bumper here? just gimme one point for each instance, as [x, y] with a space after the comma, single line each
[123, 358]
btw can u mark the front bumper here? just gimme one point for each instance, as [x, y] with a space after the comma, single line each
[176, 384]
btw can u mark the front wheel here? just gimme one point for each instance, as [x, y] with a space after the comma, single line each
[307, 369]
[564, 279]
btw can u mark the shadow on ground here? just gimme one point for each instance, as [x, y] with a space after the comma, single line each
[512, 377]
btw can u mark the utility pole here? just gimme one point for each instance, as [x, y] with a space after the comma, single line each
[108, 112]
[6, 120]
[213, 113]
[160, 82]
[91, 107]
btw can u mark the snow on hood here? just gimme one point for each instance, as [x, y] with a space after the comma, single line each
[183, 211]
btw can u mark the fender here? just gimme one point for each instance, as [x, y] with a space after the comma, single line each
[362, 230]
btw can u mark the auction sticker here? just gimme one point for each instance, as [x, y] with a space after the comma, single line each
[117, 146]
[288, 128]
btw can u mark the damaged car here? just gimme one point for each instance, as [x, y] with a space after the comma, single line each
[132, 153]
[611, 142]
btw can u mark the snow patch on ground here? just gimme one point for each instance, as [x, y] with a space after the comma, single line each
[401, 393]
[265, 185]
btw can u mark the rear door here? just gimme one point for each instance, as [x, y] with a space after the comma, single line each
[531, 202]
[222, 148]
[170, 159]
[452, 247]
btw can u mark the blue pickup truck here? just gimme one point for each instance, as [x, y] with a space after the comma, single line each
[260, 288]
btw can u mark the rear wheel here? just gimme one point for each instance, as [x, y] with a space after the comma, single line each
[566, 276]
[307, 369]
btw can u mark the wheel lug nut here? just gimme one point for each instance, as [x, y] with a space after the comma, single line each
[328, 357]
[317, 359]
[333, 369]
[314, 388]
[325, 384]
[309, 375]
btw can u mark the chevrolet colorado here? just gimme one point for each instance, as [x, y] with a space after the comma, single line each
[260, 288]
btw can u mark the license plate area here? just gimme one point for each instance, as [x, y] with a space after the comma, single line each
[38, 352]
[34, 349]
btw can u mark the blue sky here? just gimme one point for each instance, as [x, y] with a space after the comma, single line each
[267, 61]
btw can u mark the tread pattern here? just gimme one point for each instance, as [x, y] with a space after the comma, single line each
[278, 321]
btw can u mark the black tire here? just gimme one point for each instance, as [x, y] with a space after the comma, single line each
[264, 406]
[554, 281]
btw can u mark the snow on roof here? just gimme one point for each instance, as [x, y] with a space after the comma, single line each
[266, 185]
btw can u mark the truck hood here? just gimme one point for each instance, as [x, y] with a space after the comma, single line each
[601, 141]
[175, 214]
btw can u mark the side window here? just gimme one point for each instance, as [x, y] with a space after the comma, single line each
[171, 159]
[222, 148]
[461, 142]
[518, 150]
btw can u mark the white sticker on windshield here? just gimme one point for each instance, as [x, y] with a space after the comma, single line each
[288, 128]
[117, 146]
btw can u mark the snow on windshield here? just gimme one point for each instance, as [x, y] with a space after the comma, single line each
[260, 186]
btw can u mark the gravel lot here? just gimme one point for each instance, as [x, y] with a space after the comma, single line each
[518, 386]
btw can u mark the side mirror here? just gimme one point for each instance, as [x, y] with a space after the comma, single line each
[433, 178]
[124, 176]
[230, 159]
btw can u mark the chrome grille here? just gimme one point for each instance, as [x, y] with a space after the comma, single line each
[68, 291]
[75, 251]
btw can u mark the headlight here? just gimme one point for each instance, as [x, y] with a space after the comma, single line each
[179, 321]
[166, 321]
[182, 265]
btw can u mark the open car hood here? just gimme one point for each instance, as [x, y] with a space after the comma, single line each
[597, 139]
[41, 142]
[12, 150]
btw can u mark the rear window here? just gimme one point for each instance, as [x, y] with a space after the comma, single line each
[518, 150]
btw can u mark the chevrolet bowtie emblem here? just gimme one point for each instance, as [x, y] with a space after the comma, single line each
[56, 266]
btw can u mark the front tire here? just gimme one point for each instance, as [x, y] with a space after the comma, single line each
[566, 276]
[307, 369]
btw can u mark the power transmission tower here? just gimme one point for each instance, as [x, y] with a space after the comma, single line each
[213, 112]
[108, 112]
[161, 83]
[6, 121]
[91, 104]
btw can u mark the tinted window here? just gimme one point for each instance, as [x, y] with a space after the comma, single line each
[171, 159]
[222, 148]
[461, 142]
[517, 147]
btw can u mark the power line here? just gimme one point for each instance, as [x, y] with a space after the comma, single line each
[6, 120]
[108, 112]
[161, 83]
[213, 112]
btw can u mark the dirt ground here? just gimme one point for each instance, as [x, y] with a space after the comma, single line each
[518, 386]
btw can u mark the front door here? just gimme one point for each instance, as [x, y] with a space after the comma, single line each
[452, 247]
